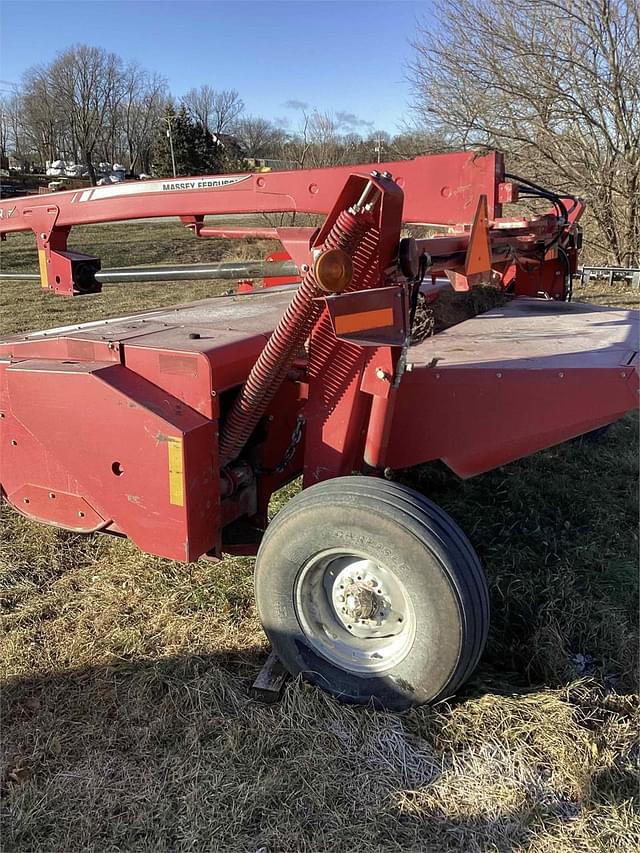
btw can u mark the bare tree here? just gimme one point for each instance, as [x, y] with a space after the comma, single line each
[327, 146]
[141, 110]
[87, 86]
[318, 141]
[217, 111]
[42, 120]
[4, 130]
[555, 84]
[259, 137]
[227, 108]
[86, 105]
[199, 104]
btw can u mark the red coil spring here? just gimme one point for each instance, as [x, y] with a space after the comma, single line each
[275, 360]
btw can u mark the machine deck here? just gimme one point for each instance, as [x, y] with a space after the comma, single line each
[524, 333]
[536, 334]
[251, 313]
[515, 380]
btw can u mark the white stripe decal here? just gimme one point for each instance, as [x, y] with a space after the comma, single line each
[168, 185]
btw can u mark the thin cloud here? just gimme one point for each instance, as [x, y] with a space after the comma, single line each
[293, 104]
[351, 120]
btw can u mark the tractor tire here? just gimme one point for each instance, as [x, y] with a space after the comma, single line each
[372, 592]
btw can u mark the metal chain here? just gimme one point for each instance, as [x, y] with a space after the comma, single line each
[424, 321]
[296, 437]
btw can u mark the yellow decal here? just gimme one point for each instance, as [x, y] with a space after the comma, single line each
[42, 260]
[176, 471]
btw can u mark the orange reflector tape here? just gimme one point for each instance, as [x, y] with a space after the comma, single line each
[364, 320]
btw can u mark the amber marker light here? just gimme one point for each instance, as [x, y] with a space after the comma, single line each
[333, 271]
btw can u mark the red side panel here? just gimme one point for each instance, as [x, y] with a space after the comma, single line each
[512, 381]
[476, 419]
[132, 458]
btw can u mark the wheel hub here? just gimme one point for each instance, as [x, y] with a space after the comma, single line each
[360, 602]
[365, 598]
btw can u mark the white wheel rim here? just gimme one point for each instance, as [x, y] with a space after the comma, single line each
[354, 611]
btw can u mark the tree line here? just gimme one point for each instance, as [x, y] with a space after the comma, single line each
[88, 106]
[555, 84]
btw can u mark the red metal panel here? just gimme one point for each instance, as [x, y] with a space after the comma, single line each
[59, 347]
[475, 418]
[370, 317]
[136, 455]
[185, 375]
[512, 381]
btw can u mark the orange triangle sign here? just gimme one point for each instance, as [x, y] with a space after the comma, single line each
[478, 258]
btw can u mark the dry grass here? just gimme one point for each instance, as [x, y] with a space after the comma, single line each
[126, 720]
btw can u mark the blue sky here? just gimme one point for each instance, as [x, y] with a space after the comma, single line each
[338, 56]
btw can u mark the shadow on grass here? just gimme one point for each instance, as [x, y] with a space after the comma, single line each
[173, 754]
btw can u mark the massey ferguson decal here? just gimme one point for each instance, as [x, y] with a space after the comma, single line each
[208, 182]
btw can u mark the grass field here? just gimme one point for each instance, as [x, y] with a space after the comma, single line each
[126, 722]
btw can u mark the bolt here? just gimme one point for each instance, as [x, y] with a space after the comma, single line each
[387, 175]
[561, 375]
[375, 174]
[381, 373]
[499, 375]
[305, 267]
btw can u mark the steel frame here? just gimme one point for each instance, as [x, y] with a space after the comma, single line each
[175, 427]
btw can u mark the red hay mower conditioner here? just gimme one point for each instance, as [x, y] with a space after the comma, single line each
[174, 427]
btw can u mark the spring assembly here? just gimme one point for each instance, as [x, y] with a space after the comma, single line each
[274, 362]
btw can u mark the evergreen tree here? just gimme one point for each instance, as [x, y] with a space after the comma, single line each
[194, 149]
